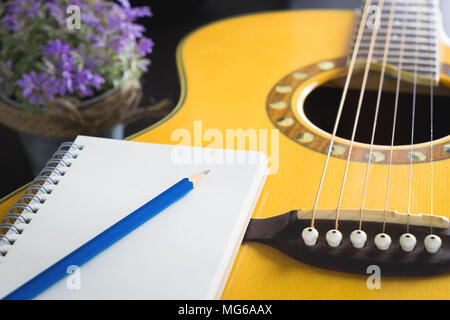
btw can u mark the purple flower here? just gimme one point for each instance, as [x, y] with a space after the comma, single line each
[133, 13]
[33, 9]
[97, 41]
[91, 59]
[84, 79]
[132, 30]
[125, 3]
[76, 64]
[57, 13]
[145, 45]
[66, 69]
[71, 78]
[8, 65]
[17, 11]
[10, 22]
[102, 8]
[123, 32]
[91, 20]
[143, 64]
[55, 47]
[38, 88]
[24, 8]
[83, 4]
[140, 12]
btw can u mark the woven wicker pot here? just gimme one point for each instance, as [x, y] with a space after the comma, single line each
[42, 131]
[62, 119]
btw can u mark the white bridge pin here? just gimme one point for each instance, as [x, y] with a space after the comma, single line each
[382, 241]
[310, 236]
[334, 237]
[407, 242]
[358, 238]
[432, 243]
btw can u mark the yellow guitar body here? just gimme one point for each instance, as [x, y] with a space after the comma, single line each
[227, 71]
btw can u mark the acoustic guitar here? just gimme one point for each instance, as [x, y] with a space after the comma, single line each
[350, 109]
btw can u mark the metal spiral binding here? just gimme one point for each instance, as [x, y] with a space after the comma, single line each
[36, 194]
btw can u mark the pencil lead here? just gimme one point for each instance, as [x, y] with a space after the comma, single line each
[195, 179]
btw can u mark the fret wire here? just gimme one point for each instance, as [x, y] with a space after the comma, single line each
[405, 5]
[408, 2]
[406, 17]
[395, 48]
[411, 31]
[416, 11]
[411, 68]
[410, 36]
[396, 54]
[413, 65]
[422, 26]
[424, 62]
[422, 41]
[412, 22]
[409, 5]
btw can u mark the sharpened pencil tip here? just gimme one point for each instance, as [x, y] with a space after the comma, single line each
[195, 179]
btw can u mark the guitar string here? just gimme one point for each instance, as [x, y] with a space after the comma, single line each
[394, 121]
[358, 110]
[431, 154]
[413, 115]
[431, 147]
[380, 89]
[341, 105]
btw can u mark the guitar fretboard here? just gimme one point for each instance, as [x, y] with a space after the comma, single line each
[413, 37]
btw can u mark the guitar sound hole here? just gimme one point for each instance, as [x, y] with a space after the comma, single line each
[322, 104]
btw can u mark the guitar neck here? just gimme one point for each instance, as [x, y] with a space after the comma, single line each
[406, 38]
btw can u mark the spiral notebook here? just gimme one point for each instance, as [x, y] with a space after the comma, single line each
[185, 252]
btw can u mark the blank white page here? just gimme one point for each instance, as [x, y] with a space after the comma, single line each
[184, 252]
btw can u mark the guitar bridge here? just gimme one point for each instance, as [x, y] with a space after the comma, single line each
[283, 232]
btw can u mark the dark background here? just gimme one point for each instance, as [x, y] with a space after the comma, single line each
[171, 21]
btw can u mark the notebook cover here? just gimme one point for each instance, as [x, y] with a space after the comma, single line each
[185, 252]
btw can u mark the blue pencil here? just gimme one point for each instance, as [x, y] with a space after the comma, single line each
[105, 239]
